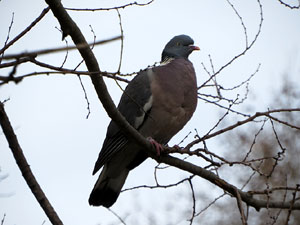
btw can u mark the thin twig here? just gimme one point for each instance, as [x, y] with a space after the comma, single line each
[67, 52]
[210, 204]
[240, 206]
[241, 20]
[243, 82]
[219, 121]
[85, 97]
[3, 219]
[111, 8]
[252, 175]
[274, 218]
[292, 203]
[280, 154]
[80, 80]
[13, 63]
[159, 185]
[7, 37]
[254, 140]
[241, 53]
[194, 202]
[290, 6]
[284, 122]
[116, 215]
[44, 12]
[270, 190]
[221, 106]
[122, 40]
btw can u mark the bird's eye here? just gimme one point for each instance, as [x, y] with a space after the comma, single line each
[177, 44]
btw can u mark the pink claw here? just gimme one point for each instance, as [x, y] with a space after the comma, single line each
[158, 147]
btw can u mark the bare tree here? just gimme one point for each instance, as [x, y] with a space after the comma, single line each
[273, 152]
[266, 177]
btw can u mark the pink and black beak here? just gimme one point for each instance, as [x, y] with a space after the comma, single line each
[194, 48]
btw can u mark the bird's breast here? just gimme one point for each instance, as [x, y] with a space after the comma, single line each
[174, 93]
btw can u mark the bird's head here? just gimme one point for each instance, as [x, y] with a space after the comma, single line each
[180, 46]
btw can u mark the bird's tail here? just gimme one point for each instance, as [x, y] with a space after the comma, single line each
[107, 188]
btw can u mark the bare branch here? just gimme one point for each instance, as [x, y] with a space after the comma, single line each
[67, 52]
[86, 98]
[270, 190]
[16, 62]
[240, 206]
[219, 105]
[117, 7]
[80, 80]
[122, 40]
[219, 121]
[284, 122]
[239, 123]
[110, 75]
[280, 154]
[159, 185]
[243, 82]
[25, 169]
[254, 140]
[3, 219]
[210, 204]
[290, 6]
[246, 197]
[194, 202]
[292, 203]
[242, 21]
[7, 38]
[62, 71]
[116, 215]
[33, 54]
[6, 46]
[243, 52]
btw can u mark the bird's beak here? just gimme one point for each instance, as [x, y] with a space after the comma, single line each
[193, 47]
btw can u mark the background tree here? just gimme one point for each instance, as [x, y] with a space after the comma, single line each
[265, 157]
[57, 168]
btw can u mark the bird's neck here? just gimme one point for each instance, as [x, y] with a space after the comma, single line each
[166, 60]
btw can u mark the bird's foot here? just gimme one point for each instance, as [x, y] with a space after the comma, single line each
[177, 147]
[174, 149]
[158, 147]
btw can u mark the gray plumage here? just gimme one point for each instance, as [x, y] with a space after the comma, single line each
[158, 102]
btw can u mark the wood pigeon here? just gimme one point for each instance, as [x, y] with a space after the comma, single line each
[158, 102]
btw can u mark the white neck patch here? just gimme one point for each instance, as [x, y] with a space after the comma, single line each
[166, 61]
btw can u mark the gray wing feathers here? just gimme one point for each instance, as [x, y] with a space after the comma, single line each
[110, 146]
[135, 103]
[135, 100]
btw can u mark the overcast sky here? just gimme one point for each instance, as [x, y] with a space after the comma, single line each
[48, 113]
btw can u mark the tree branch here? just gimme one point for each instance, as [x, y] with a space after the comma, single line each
[43, 13]
[33, 54]
[111, 8]
[246, 197]
[240, 206]
[25, 169]
[290, 6]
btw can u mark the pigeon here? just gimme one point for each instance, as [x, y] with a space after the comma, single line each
[158, 102]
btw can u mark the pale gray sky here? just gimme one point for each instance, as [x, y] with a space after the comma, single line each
[48, 112]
